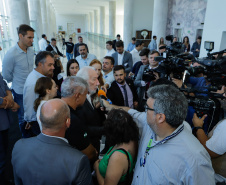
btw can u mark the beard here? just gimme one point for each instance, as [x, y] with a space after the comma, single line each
[83, 55]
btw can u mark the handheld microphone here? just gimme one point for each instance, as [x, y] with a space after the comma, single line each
[103, 95]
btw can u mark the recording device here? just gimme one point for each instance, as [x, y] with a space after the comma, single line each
[102, 95]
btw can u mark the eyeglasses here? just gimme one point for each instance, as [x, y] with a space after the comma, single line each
[148, 108]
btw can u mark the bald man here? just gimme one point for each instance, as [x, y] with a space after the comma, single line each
[48, 158]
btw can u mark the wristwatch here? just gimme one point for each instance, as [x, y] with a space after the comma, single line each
[195, 129]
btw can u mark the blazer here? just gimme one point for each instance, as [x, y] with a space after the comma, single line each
[115, 94]
[93, 118]
[127, 61]
[49, 160]
[50, 48]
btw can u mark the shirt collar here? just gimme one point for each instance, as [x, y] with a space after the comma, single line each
[122, 53]
[19, 49]
[153, 67]
[57, 137]
[120, 85]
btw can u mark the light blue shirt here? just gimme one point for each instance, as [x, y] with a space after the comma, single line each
[130, 47]
[108, 78]
[16, 66]
[180, 160]
[29, 96]
[152, 45]
[85, 62]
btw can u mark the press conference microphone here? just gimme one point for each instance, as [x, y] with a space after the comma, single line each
[102, 94]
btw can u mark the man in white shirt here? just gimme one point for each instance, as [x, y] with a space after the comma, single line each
[84, 58]
[107, 66]
[43, 43]
[136, 51]
[110, 49]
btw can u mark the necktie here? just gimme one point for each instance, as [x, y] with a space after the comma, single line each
[126, 96]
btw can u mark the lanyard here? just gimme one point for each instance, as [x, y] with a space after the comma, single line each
[143, 159]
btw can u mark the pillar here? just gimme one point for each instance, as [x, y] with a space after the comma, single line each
[18, 13]
[112, 20]
[36, 20]
[44, 17]
[95, 21]
[87, 23]
[102, 20]
[160, 18]
[128, 22]
[91, 21]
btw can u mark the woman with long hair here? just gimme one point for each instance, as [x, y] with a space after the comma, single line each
[72, 67]
[46, 88]
[161, 41]
[98, 67]
[186, 44]
[117, 164]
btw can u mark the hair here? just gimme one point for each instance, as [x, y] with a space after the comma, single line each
[119, 44]
[118, 35]
[100, 78]
[161, 42]
[153, 52]
[134, 39]
[199, 37]
[169, 101]
[109, 42]
[154, 36]
[41, 57]
[57, 118]
[72, 85]
[119, 67]
[84, 72]
[42, 84]
[79, 37]
[83, 44]
[53, 39]
[111, 59]
[144, 52]
[184, 39]
[139, 43]
[23, 29]
[120, 127]
[43, 35]
[71, 61]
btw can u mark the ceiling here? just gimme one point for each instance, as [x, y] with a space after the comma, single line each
[84, 6]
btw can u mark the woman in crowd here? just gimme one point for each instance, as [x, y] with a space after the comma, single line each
[118, 163]
[98, 67]
[72, 67]
[46, 88]
[186, 44]
[161, 41]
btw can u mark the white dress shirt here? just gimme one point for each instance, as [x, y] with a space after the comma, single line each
[110, 52]
[120, 58]
[135, 55]
[42, 44]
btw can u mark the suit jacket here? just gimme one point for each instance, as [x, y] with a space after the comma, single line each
[76, 53]
[115, 94]
[49, 160]
[93, 118]
[127, 61]
[50, 48]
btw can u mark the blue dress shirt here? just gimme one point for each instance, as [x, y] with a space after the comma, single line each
[16, 66]
[131, 47]
[85, 62]
[29, 96]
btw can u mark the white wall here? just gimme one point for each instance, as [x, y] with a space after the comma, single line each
[143, 15]
[78, 20]
[214, 25]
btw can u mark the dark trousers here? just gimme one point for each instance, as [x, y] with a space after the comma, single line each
[33, 131]
[3, 150]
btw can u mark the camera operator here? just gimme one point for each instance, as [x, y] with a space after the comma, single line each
[215, 145]
[154, 71]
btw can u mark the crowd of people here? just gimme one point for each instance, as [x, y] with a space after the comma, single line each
[152, 135]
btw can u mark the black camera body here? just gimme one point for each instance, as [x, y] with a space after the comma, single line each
[148, 75]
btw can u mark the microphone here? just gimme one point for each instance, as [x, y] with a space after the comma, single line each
[103, 95]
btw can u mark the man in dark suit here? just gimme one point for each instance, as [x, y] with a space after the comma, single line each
[48, 158]
[116, 40]
[80, 41]
[52, 47]
[122, 91]
[143, 84]
[123, 57]
[91, 116]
